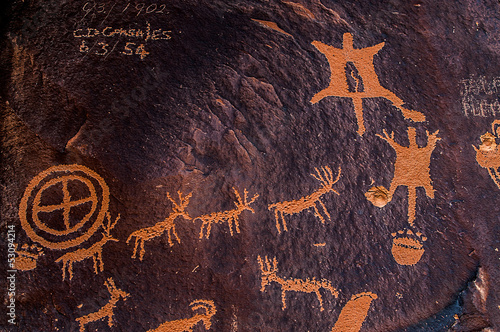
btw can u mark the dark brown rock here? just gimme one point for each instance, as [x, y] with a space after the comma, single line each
[216, 102]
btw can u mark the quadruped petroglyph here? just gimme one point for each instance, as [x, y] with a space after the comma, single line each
[488, 153]
[367, 84]
[188, 324]
[230, 216]
[269, 270]
[107, 311]
[354, 313]
[94, 252]
[165, 226]
[411, 169]
[325, 177]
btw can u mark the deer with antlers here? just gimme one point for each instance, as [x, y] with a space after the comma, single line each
[281, 209]
[95, 251]
[188, 324]
[269, 274]
[230, 216]
[107, 310]
[167, 225]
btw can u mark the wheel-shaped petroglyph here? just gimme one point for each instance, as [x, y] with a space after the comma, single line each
[64, 206]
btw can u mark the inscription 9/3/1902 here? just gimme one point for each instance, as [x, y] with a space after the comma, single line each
[101, 39]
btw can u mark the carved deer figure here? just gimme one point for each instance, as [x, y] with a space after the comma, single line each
[167, 225]
[95, 251]
[188, 324]
[107, 310]
[281, 209]
[269, 274]
[230, 216]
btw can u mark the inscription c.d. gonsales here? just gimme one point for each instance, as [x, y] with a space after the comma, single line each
[130, 48]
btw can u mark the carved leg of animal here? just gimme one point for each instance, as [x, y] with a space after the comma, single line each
[276, 216]
[237, 225]
[101, 266]
[110, 319]
[230, 223]
[283, 299]
[320, 300]
[494, 176]
[64, 270]
[82, 325]
[209, 229]
[172, 233]
[95, 258]
[317, 214]
[134, 254]
[143, 251]
[70, 270]
[282, 214]
[201, 230]
[325, 210]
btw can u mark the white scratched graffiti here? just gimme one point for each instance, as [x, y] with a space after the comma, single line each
[480, 96]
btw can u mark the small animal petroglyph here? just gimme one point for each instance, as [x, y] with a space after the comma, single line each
[367, 83]
[107, 310]
[167, 225]
[354, 313]
[412, 169]
[269, 274]
[230, 216]
[282, 209]
[27, 257]
[94, 252]
[188, 324]
[407, 248]
[488, 153]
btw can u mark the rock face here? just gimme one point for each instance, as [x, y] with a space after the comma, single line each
[233, 165]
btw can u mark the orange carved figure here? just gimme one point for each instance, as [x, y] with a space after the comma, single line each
[167, 225]
[354, 313]
[367, 83]
[488, 153]
[188, 324]
[230, 216]
[269, 274]
[411, 169]
[27, 257]
[281, 209]
[107, 310]
[407, 247]
[94, 252]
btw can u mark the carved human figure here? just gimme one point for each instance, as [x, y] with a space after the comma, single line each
[367, 84]
[488, 153]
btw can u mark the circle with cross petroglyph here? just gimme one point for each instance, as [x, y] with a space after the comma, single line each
[64, 206]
